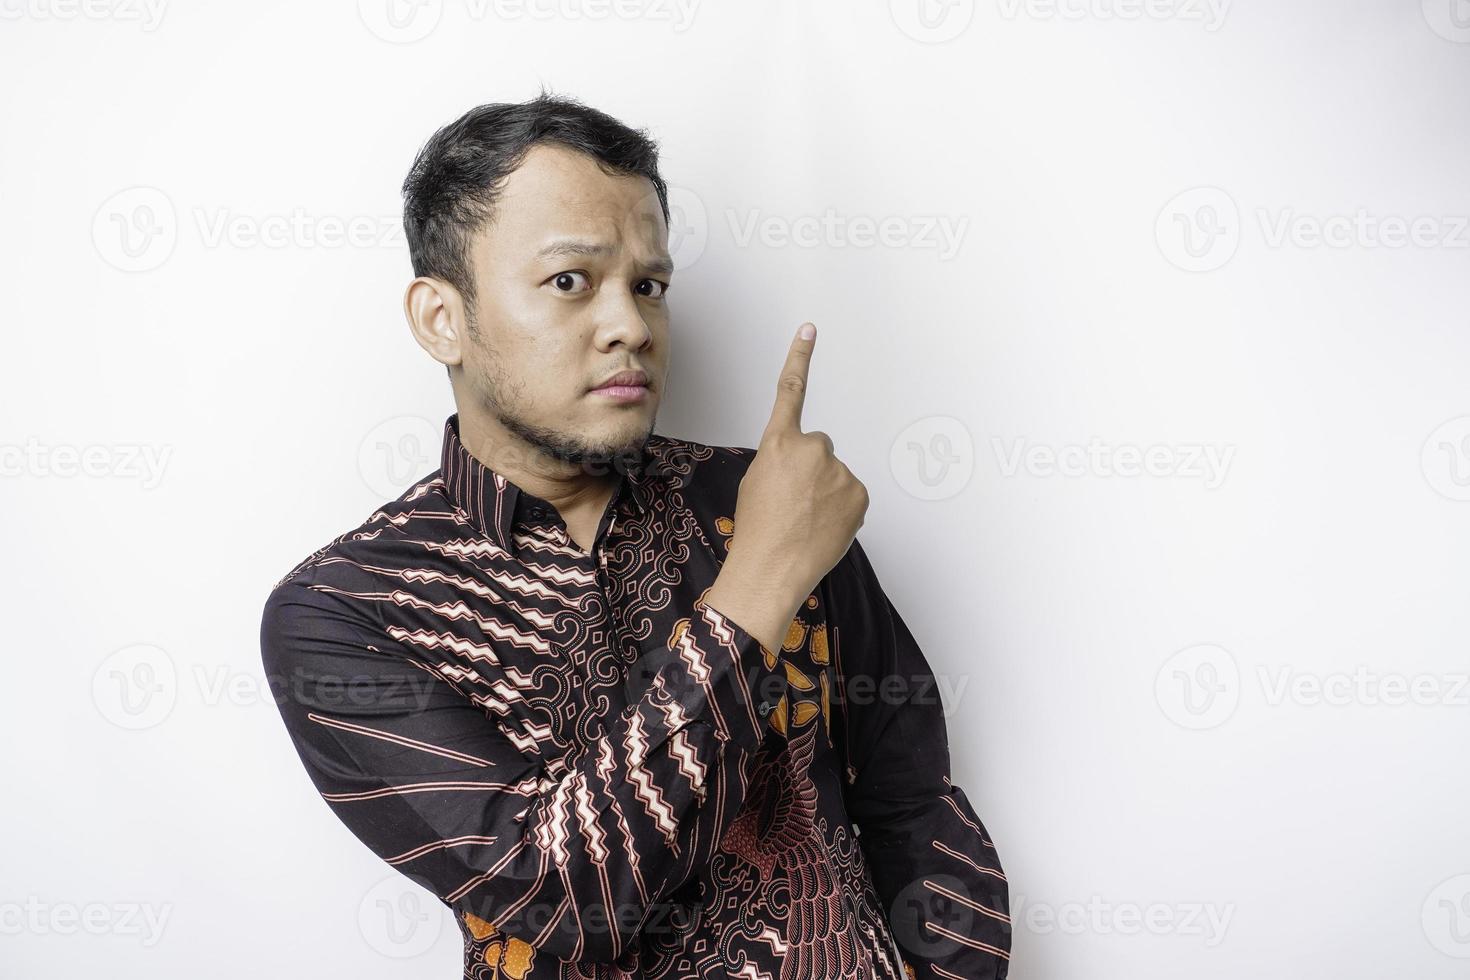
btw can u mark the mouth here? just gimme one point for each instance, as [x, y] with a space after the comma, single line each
[624, 386]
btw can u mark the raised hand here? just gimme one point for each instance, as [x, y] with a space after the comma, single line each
[798, 510]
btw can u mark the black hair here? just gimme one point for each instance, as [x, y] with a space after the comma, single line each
[456, 178]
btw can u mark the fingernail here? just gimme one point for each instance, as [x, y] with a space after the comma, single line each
[807, 331]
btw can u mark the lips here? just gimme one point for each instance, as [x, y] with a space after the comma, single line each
[625, 379]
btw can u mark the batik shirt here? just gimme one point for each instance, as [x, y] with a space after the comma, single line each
[603, 776]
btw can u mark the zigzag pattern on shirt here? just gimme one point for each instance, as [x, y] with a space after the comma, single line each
[648, 791]
[551, 829]
[606, 771]
[679, 747]
[592, 832]
[462, 583]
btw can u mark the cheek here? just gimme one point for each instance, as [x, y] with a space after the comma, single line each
[551, 370]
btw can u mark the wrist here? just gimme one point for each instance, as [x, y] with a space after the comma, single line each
[757, 603]
[765, 574]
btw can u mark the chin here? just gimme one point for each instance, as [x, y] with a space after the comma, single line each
[630, 435]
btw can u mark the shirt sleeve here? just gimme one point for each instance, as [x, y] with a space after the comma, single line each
[933, 863]
[571, 859]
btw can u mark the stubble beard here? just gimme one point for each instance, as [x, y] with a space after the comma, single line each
[569, 448]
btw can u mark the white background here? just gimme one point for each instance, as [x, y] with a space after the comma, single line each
[1214, 715]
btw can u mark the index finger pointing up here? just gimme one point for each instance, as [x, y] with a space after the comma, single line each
[791, 389]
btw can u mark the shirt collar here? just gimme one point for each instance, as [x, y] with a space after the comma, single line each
[493, 504]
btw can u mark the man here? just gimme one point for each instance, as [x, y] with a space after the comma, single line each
[625, 703]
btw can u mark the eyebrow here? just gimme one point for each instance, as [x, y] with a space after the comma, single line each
[579, 247]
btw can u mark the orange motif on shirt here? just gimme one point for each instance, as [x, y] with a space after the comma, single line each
[506, 955]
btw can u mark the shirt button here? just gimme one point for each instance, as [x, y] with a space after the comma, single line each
[765, 708]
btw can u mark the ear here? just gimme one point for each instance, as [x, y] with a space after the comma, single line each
[436, 315]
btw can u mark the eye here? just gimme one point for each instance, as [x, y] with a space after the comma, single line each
[565, 282]
[655, 288]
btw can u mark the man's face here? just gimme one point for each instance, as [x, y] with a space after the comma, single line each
[569, 282]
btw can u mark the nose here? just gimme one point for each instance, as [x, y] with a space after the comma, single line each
[620, 320]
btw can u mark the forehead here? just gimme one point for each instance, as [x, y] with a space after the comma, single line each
[559, 193]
